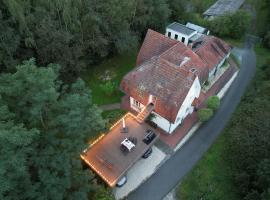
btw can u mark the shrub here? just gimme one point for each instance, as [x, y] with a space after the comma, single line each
[112, 116]
[205, 114]
[266, 40]
[108, 88]
[151, 117]
[232, 26]
[206, 83]
[213, 102]
[103, 194]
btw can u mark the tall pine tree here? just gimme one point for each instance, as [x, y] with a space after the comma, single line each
[44, 126]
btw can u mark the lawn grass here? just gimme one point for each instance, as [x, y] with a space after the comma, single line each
[263, 54]
[119, 65]
[112, 116]
[212, 177]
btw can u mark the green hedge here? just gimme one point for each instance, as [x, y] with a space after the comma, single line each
[205, 114]
[213, 102]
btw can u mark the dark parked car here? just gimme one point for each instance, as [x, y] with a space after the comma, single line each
[150, 135]
[147, 153]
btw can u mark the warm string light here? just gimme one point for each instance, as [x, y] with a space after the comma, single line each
[126, 115]
[97, 140]
[110, 183]
[124, 124]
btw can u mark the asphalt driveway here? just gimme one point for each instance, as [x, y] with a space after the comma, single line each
[172, 172]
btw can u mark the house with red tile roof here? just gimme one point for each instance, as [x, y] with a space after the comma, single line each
[170, 72]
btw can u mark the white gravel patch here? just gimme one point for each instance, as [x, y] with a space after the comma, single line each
[139, 173]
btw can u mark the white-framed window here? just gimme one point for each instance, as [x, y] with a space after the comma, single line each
[183, 39]
[136, 103]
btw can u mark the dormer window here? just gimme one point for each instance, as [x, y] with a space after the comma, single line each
[193, 70]
[183, 39]
[176, 36]
[169, 34]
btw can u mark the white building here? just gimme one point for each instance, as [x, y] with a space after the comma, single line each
[185, 33]
[170, 71]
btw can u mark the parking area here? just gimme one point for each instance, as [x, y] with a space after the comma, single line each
[140, 172]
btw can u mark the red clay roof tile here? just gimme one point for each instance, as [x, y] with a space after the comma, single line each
[167, 68]
[154, 44]
[212, 51]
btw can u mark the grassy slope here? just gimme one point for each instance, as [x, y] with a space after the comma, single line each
[119, 65]
[211, 178]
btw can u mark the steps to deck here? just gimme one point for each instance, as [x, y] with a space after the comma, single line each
[145, 113]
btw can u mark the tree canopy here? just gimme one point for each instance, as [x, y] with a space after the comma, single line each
[74, 34]
[230, 26]
[249, 139]
[44, 126]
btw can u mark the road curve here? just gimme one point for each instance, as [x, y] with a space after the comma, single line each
[172, 172]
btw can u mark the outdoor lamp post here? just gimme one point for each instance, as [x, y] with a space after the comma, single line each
[124, 128]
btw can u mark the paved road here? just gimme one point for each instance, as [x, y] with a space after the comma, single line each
[169, 175]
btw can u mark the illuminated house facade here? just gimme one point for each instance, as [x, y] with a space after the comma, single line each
[170, 71]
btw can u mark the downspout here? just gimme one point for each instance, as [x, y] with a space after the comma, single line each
[170, 124]
[170, 128]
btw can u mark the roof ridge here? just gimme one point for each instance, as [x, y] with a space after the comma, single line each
[169, 49]
[187, 49]
[204, 42]
[177, 69]
[154, 44]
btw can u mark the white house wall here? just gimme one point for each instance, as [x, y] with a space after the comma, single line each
[187, 107]
[184, 110]
[161, 122]
[180, 35]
